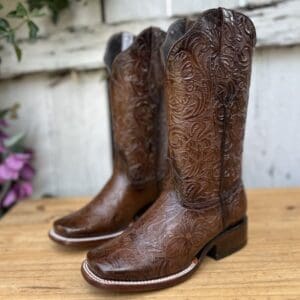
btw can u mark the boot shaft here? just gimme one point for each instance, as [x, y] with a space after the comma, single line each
[136, 102]
[208, 67]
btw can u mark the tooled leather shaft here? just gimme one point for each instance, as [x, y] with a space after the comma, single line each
[233, 91]
[136, 100]
[207, 82]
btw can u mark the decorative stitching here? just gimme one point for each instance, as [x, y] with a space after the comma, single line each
[84, 239]
[141, 282]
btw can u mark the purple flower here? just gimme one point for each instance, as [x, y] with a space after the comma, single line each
[3, 135]
[17, 161]
[18, 191]
[12, 166]
[16, 171]
[2, 148]
[7, 174]
[10, 198]
[3, 123]
[27, 172]
[23, 189]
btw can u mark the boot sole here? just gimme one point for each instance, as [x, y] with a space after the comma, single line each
[81, 241]
[226, 243]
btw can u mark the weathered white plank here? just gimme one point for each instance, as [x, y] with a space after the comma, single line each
[66, 121]
[116, 11]
[181, 8]
[277, 25]
[272, 148]
[257, 3]
[81, 50]
[83, 47]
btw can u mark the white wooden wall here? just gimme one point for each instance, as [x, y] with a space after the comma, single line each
[61, 85]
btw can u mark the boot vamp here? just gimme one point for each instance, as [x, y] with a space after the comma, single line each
[162, 242]
[111, 210]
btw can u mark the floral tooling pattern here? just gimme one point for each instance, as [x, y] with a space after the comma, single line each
[135, 87]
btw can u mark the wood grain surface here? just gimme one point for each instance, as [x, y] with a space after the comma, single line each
[33, 267]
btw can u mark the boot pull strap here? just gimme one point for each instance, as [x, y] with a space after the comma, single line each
[175, 31]
[117, 43]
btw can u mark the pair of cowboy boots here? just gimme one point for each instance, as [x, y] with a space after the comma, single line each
[179, 103]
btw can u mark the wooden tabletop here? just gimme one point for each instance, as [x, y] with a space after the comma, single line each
[33, 267]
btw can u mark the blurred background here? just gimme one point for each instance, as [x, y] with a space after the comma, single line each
[61, 86]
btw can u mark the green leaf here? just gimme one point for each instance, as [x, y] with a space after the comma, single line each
[13, 110]
[3, 113]
[14, 141]
[55, 6]
[36, 13]
[21, 11]
[33, 30]
[10, 38]
[38, 4]
[1, 6]
[18, 52]
[4, 25]
[13, 14]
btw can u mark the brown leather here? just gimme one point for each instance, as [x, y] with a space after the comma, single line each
[137, 107]
[207, 67]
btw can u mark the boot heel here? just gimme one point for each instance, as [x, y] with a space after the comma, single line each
[230, 241]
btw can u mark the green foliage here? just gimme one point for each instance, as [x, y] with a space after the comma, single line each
[18, 51]
[11, 112]
[33, 30]
[55, 6]
[19, 13]
[14, 142]
[25, 14]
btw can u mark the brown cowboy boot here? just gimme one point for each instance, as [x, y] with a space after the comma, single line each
[139, 126]
[202, 209]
